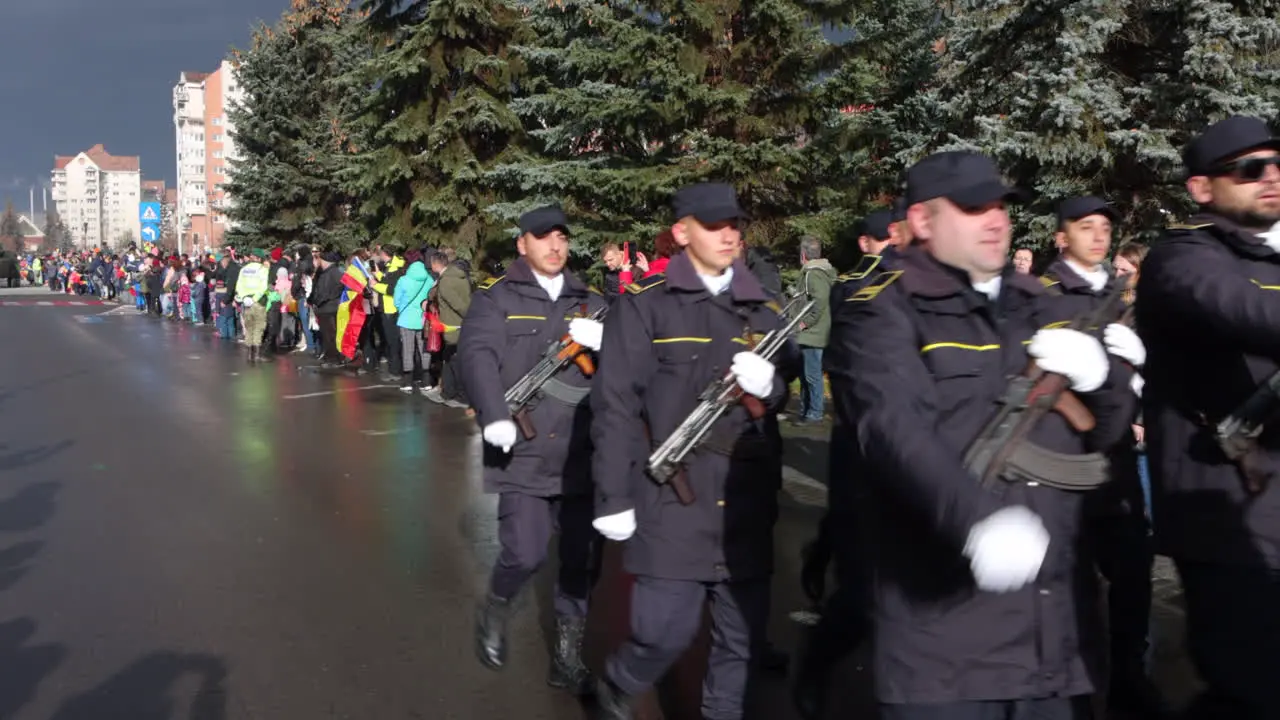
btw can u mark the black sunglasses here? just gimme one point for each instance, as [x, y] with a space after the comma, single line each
[1247, 169]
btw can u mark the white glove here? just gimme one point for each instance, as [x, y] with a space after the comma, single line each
[1124, 343]
[1071, 353]
[586, 333]
[247, 302]
[617, 527]
[500, 434]
[753, 373]
[1006, 549]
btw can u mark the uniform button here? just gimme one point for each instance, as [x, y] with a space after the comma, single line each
[1033, 484]
[551, 435]
[719, 503]
[695, 356]
[1044, 592]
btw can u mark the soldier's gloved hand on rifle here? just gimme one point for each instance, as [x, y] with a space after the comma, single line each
[1124, 343]
[1073, 354]
[500, 434]
[1006, 549]
[753, 373]
[617, 527]
[586, 332]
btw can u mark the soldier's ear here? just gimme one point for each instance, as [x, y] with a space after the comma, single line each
[920, 220]
[520, 245]
[1201, 189]
[680, 232]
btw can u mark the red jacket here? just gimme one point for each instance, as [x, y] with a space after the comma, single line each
[657, 266]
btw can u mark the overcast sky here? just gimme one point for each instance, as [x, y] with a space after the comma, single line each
[74, 73]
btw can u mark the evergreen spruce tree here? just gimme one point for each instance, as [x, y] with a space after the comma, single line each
[295, 145]
[438, 118]
[11, 228]
[627, 101]
[1097, 96]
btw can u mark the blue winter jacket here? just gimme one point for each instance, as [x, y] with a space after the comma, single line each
[410, 293]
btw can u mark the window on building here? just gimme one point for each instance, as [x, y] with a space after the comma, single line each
[217, 120]
[217, 137]
[217, 154]
[200, 168]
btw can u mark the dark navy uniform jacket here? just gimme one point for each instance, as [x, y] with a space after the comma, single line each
[838, 523]
[1208, 310]
[665, 341]
[508, 328]
[1123, 495]
[919, 362]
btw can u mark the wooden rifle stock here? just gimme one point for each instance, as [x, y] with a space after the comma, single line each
[1065, 404]
[525, 423]
[680, 484]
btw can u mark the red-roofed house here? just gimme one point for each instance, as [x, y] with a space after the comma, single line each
[96, 195]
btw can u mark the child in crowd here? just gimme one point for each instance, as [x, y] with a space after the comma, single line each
[199, 297]
[184, 297]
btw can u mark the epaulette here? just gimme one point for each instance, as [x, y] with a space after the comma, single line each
[594, 289]
[643, 284]
[882, 281]
[1184, 226]
[491, 282]
[864, 268]
[774, 306]
[1047, 281]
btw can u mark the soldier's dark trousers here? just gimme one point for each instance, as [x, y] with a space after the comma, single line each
[1233, 633]
[525, 526]
[1038, 709]
[665, 616]
[1125, 554]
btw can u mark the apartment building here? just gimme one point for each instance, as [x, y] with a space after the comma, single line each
[97, 195]
[205, 150]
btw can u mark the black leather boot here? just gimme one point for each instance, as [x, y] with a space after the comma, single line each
[567, 671]
[491, 631]
[253, 354]
[613, 703]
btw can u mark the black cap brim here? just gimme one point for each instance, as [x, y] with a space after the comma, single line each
[713, 215]
[976, 196]
[542, 230]
[1104, 210]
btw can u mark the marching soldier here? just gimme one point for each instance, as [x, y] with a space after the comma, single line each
[1115, 514]
[669, 337]
[1209, 312]
[973, 588]
[543, 482]
[842, 624]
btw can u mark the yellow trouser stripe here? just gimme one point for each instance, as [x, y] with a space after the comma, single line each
[526, 317]
[659, 341]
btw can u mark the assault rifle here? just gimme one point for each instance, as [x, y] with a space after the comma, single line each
[1002, 448]
[666, 464]
[1237, 434]
[557, 357]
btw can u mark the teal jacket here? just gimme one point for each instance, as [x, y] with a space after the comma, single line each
[410, 293]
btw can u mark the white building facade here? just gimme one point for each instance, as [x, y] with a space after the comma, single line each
[192, 213]
[205, 150]
[97, 195]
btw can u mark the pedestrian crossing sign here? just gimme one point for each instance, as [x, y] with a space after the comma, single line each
[149, 212]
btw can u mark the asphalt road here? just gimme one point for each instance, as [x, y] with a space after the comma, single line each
[185, 536]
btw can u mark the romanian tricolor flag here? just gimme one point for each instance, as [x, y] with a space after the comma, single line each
[351, 309]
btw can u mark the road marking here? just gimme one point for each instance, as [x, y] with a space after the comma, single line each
[43, 303]
[380, 433]
[335, 392]
[193, 357]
